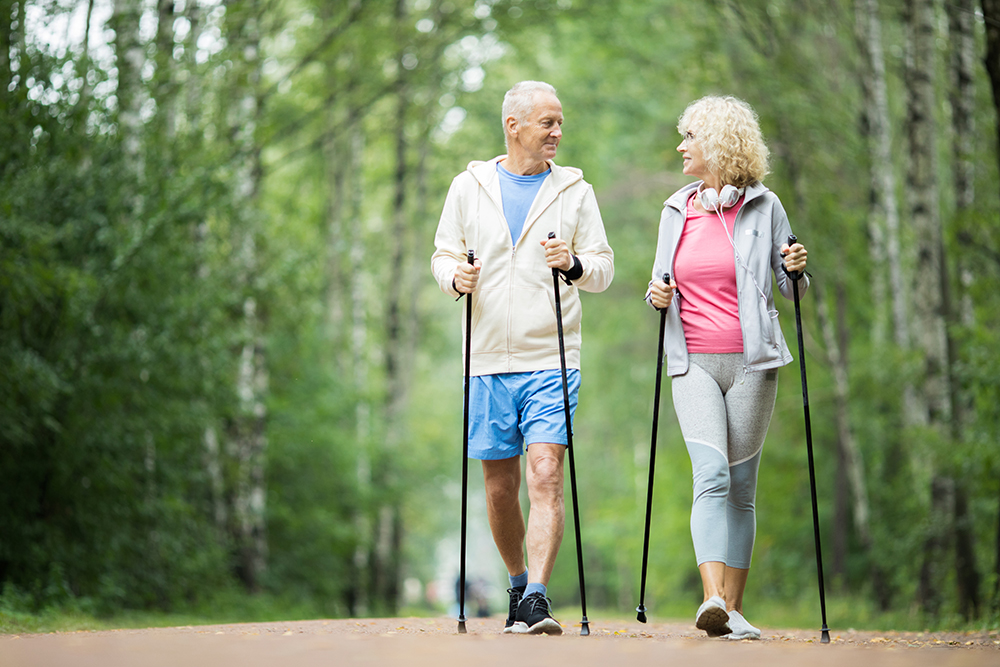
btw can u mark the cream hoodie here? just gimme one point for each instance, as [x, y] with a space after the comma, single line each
[513, 307]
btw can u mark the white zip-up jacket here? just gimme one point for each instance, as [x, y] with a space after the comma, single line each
[513, 307]
[761, 228]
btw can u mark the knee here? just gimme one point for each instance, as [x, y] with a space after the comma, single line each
[546, 475]
[502, 491]
[711, 481]
[742, 498]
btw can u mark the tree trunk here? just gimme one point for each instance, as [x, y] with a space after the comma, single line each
[963, 44]
[929, 285]
[359, 594]
[163, 90]
[848, 450]
[248, 440]
[966, 570]
[130, 57]
[883, 212]
[6, 41]
[938, 536]
[991, 17]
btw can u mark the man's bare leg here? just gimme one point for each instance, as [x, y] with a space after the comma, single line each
[503, 508]
[547, 514]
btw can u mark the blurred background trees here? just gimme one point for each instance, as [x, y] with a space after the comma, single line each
[224, 364]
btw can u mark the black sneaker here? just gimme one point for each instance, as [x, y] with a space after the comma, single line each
[534, 617]
[515, 599]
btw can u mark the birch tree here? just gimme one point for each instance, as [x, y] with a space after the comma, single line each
[929, 282]
[991, 18]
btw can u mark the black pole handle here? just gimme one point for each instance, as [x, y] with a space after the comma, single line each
[794, 275]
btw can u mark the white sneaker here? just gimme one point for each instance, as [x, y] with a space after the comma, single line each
[741, 629]
[712, 617]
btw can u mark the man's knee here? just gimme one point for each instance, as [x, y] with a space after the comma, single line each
[546, 471]
[502, 482]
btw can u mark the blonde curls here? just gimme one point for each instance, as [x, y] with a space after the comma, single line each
[728, 133]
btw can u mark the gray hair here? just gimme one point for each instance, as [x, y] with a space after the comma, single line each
[519, 101]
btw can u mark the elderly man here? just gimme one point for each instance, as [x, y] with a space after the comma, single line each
[504, 210]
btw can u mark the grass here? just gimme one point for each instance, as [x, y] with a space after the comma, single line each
[843, 613]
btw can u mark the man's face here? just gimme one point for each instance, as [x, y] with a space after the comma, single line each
[539, 134]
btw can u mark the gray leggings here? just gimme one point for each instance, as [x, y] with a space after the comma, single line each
[724, 414]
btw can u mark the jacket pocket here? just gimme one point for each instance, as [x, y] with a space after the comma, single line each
[572, 313]
[489, 315]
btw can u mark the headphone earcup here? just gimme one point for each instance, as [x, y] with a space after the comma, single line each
[729, 196]
[710, 199]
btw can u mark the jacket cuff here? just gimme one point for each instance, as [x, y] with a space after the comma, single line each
[576, 272]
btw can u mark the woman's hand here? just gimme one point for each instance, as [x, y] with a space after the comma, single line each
[661, 294]
[795, 257]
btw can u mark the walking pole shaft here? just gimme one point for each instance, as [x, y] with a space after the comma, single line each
[584, 623]
[795, 276]
[641, 609]
[465, 454]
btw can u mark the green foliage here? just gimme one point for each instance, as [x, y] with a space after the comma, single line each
[299, 164]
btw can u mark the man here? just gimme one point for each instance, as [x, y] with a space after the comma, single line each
[504, 210]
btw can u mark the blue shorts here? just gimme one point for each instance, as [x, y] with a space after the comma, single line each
[511, 410]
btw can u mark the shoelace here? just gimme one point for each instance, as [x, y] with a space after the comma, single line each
[535, 599]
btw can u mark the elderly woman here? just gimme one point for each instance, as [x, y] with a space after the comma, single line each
[722, 242]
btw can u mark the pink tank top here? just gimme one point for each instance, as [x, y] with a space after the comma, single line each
[706, 279]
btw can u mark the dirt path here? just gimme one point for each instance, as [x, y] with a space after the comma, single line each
[435, 642]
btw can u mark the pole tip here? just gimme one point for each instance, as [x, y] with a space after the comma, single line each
[641, 614]
[584, 627]
[461, 625]
[824, 637]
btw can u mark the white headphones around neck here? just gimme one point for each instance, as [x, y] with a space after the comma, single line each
[715, 201]
[718, 202]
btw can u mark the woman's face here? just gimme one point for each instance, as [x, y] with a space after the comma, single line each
[694, 159]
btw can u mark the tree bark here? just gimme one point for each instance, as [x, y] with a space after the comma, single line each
[963, 44]
[991, 18]
[248, 439]
[929, 589]
[163, 90]
[929, 284]
[130, 57]
[924, 209]
[883, 215]
[359, 596]
[848, 450]
[966, 569]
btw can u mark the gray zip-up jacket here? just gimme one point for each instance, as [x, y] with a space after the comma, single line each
[761, 229]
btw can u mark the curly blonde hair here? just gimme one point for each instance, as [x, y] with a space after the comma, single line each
[728, 133]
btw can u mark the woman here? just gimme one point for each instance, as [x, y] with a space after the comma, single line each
[721, 239]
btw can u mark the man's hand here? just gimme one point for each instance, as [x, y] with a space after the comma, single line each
[557, 254]
[467, 276]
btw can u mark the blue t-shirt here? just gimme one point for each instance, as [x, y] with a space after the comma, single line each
[517, 193]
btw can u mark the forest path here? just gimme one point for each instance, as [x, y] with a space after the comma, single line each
[434, 642]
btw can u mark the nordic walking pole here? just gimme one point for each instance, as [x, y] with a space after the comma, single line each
[641, 609]
[795, 276]
[465, 452]
[584, 624]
